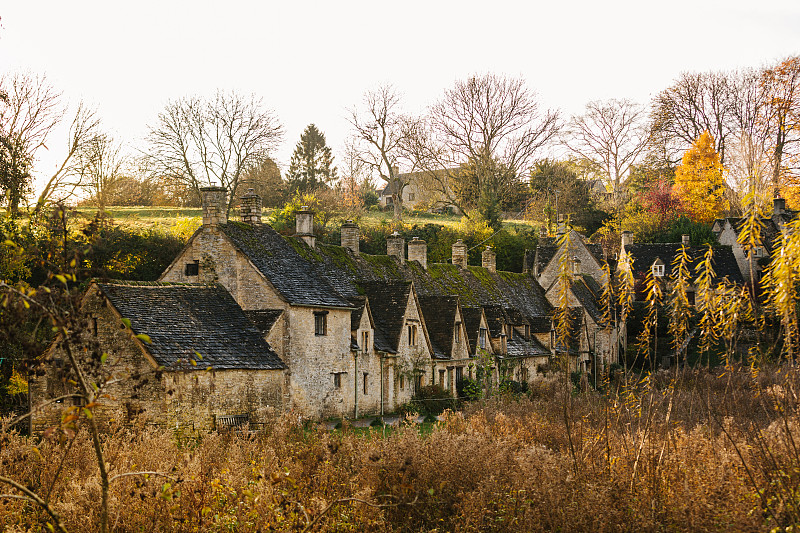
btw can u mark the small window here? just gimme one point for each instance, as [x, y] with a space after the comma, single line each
[320, 323]
[193, 269]
[658, 271]
[758, 251]
[365, 341]
[458, 333]
[337, 380]
[366, 376]
[510, 332]
[411, 197]
[412, 335]
[441, 379]
[527, 332]
[94, 325]
[402, 381]
[482, 338]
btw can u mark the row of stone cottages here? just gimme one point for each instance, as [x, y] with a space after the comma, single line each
[246, 321]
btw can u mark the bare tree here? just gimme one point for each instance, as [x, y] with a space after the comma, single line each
[612, 134]
[782, 86]
[380, 130]
[197, 142]
[100, 167]
[67, 179]
[696, 102]
[491, 124]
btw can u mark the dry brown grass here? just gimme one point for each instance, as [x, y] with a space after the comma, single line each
[694, 452]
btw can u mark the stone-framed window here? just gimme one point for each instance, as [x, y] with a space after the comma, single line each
[402, 381]
[366, 383]
[758, 251]
[459, 374]
[337, 380]
[658, 271]
[441, 378]
[482, 339]
[193, 268]
[412, 335]
[320, 323]
[458, 333]
[365, 341]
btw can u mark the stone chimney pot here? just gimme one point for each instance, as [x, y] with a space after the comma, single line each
[460, 254]
[396, 246]
[215, 205]
[685, 239]
[627, 238]
[418, 251]
[250, 208]
[350, 236]
[305, 225]
[778, 206]
[489, 259]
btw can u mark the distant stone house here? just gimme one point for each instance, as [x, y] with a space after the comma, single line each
[417, 192]
[728, 230]
[191, 356]
[289, 323]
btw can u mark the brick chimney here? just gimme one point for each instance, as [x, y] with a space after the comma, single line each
[778, 206]
[250, 208]
[685, 239]
[350, 236]
[418, 251]
[305, 225]
[460, 254]
[215, 205]
[396, 246]
[489, 259]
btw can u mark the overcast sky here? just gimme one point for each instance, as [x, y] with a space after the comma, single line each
[311, 61]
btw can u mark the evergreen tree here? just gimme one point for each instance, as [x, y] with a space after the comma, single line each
[311, 166]
[699, 181]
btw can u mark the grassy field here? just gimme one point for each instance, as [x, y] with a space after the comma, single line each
[166, 218]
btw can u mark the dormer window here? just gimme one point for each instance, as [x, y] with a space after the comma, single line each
[457, 335]
[412, 335]
[365, 341]
[758, 251]
[482, 338]
[658, 271]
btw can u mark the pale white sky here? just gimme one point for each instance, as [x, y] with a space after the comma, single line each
[310, 61]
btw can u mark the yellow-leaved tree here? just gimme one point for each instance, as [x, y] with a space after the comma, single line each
[699, 181]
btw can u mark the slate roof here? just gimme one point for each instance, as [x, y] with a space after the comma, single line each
[645, 254]
[264, 319]
[281, 262]
[521, 347]
[541, 324]
[358, 304]
[440, 316]
[544, 254]
[496, 318]
[388, 303]
[589, 294]
[472, 323]
[769, 230]
[182, 319]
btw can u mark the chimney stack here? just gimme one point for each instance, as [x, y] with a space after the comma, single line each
[627, 238]
[396, 246]
[576, 267]
[250, 208]
[489, 259]
[305, 225]
[778, 206]
[460, 254]
[418, 251]
[350, 236]
[685, 239]
[215, 205]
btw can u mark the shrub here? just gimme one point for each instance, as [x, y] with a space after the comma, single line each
[433, 400]
[469, 389]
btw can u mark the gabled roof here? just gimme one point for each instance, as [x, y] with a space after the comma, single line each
[280, 261]
[182, 319]
[440, 318]
[496, 318]
[358, 303]
[589, 293]
[541, 324]
[645, 255]
[472, 323]
[264, 319]
[516, 318]
[388, 302]
[769, 230]
[520, 347]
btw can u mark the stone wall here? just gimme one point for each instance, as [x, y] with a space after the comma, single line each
[173, 398]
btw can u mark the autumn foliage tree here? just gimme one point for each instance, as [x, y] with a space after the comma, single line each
[699, 181]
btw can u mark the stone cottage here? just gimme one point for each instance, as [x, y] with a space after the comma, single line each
[290, 323]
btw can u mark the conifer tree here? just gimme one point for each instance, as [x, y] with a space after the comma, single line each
[699, 180]
[311, 166]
